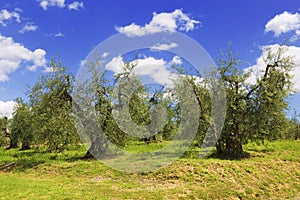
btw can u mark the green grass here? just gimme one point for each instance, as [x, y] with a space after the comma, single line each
[272, 172]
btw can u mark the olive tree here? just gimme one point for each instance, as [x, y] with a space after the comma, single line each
[255, 111]
[51, 104]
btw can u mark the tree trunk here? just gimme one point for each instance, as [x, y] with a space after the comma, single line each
[297, 132]
[98, 149]
[231, 148]
[99, 143]
[234, 148]
[25, 146]
[89, 154]
[13, 142]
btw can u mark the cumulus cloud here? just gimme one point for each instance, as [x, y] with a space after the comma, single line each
[148, 69]
[28, 27]
[161, 22]
[176, 61]
[283, 23]
[38, 59]
[76, 5]
[293, 51]
[163, 47]
[6, 108]
[116, 64]
[13, 54]
[61, 4]
[6, 16]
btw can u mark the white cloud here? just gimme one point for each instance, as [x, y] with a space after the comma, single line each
[82, 63]
[283, 23]
[6, 108]
[28, 27]
[5, 16]
[61, 4]
[75, 5]
[156, 70]
[296, 36]
[115, 64]
[293, 51]
[163, 47]
[162, 22]
[48, 70]
[59, 34]
[52, 3]
[105, 54]
[18, 10]
[39, 59]
[13, 54]
[148, 69]
[176, 60]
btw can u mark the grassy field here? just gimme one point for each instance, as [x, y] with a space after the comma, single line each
[272, 172]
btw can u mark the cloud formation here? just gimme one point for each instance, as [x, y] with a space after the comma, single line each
[76, 5]
[59, 34]
[28, 27]
[6, 16]
[296, 36]
[52, 3]
[13, 54]
[161, 22]
[148, 69]
[163, 47]
[293, 51]
[283, 23]
[6, 108]
[176, 61]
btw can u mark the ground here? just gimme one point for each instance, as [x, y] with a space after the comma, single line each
[272, 172]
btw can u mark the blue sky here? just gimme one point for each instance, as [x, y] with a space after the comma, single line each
[34, 31]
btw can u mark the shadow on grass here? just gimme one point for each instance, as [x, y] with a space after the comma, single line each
[80, 158]
[262, 150]
[226, 156]
[32, 158]
[194, 152]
